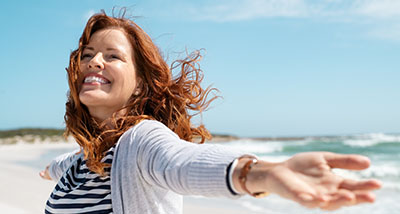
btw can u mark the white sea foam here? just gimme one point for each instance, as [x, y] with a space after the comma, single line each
[389, 170]
[258, 147]
[388, 174]
[371, 139]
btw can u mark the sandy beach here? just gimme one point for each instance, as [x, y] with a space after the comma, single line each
[24, 192]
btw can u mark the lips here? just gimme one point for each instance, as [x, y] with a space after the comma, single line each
[95, 79]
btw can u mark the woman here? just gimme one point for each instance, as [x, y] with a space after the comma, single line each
[132, 122]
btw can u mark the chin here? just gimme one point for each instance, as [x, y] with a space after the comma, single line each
[92, 99]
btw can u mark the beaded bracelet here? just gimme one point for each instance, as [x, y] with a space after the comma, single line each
[243, 178]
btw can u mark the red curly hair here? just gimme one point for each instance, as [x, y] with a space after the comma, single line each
[162, 97]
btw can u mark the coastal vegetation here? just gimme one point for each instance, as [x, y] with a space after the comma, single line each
[31, 135]
[37, 135]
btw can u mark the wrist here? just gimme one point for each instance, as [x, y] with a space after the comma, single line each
[251, 176]
[259, 177]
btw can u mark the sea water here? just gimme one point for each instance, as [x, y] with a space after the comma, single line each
[382, 149]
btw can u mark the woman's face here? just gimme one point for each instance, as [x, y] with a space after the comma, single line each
[108, 73]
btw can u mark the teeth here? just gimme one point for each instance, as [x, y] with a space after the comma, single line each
[90, 79]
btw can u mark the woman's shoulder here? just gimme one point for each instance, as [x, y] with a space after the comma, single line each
[146, 129]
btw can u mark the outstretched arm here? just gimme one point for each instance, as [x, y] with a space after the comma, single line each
[56, 168]
[307, 179]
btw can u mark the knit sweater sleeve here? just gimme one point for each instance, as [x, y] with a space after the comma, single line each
[163, 159]
[61, 163]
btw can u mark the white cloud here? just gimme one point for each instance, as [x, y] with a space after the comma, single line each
[388, 9]
[383, 17]
[237, 10]
[379, 17]
[250, 9]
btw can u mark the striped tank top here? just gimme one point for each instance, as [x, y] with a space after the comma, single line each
[80, 190]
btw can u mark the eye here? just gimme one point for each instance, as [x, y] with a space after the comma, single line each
[86, 55]
[114, 56]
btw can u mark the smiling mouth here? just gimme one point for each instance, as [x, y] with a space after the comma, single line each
[95, 79]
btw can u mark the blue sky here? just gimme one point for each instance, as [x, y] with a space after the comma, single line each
[283, 68]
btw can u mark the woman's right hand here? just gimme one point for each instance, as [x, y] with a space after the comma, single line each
[307, 179]
[45, 173]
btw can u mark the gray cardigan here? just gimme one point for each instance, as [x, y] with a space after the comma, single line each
[152, 168]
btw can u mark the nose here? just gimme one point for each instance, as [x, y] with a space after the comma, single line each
[96, 62]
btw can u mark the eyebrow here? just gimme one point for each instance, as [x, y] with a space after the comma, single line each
[112, 49]
[88, 48]
[108, 49]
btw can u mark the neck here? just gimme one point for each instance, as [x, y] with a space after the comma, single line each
[104, 115]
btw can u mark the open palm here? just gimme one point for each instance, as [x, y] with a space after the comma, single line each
[307, 178]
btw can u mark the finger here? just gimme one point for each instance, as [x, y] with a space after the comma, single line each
[308, 200]
[350, 184]
[311, 200]
[361, 197]
[364, 197]
[341, 198]
[354, 162]
[41, 174]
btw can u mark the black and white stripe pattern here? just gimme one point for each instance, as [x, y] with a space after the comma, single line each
[82, 191]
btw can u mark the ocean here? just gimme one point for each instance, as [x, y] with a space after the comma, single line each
[382, 149]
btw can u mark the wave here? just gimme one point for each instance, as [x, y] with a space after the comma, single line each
[384, 170]
[376, 171]
[256, 147]
[371, 139]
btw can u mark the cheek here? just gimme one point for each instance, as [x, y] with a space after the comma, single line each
[131, 85]
[131, 78]
[126, 82]
[80, 75]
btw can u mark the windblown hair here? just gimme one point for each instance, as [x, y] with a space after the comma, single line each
[170, 100]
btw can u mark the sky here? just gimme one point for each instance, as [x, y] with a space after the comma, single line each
[282, 67]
